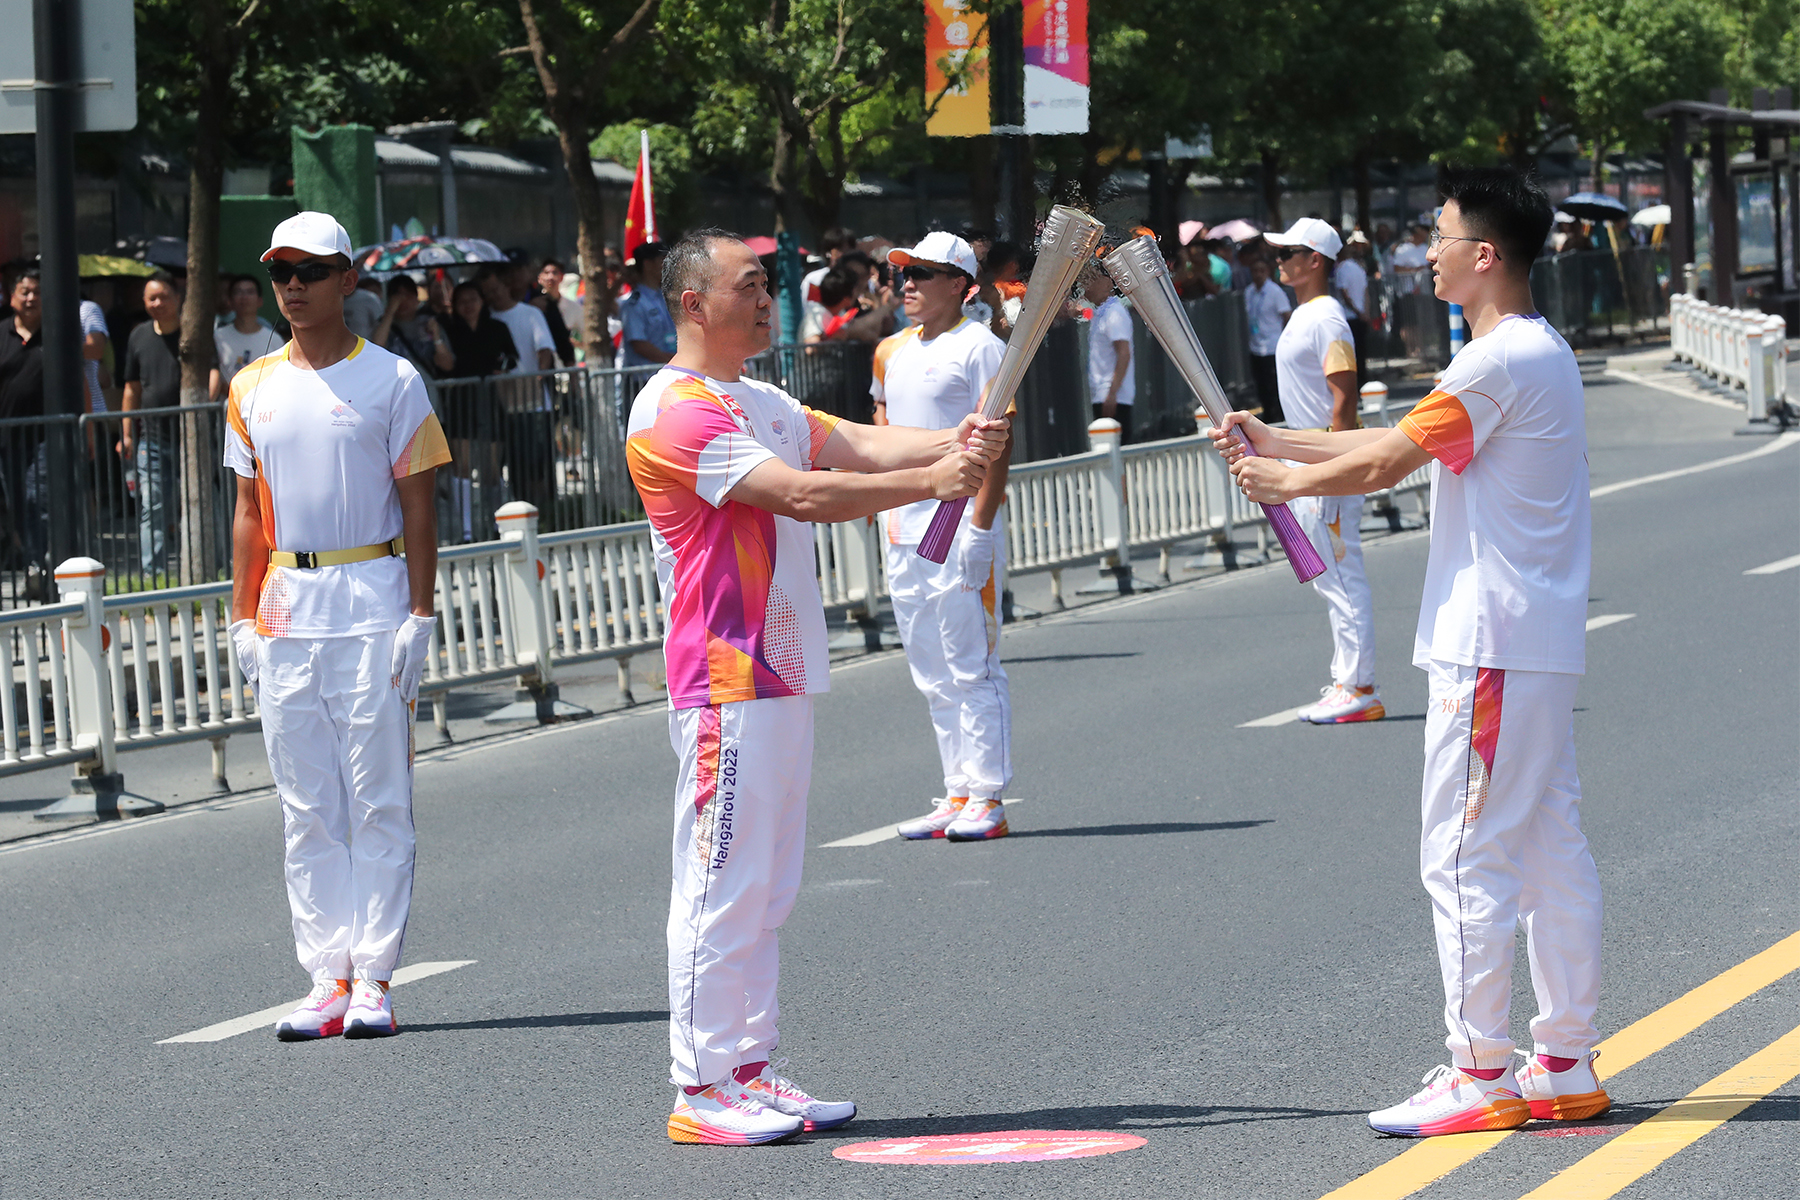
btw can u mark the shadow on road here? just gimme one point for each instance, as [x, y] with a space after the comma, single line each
[546, 1022]
[1129, 1118]
[1134, 830]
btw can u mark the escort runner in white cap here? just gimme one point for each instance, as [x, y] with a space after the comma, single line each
[932, 375]
[336, 447]
[1502, 639]
[732, 472]
[1315, 370]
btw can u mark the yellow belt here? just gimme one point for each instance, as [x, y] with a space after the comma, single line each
[332, 558]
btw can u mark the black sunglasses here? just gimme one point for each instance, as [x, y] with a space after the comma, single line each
[920, 274]
[1283, 253]
[312, 272]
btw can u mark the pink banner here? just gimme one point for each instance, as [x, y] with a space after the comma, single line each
[1056, 66]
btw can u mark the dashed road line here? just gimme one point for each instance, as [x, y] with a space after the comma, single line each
[884, 833]
[1609, 619]
[268, 1016]
[1434, 1158]
[1781, 442]
[1776, 567]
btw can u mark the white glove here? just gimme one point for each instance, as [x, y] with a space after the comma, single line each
[244, 642]
[412, 646]
[977, 557]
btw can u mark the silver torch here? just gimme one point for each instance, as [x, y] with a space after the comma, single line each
[1068, 242]
[1138, 269]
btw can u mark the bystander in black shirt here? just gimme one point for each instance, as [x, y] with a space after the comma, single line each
[21, 373]
[486, 349]
[153, 362]
[559, 328]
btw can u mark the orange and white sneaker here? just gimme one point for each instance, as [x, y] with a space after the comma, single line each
[1571, 1095]
[1339, 705]
[978, 820]
[726, 1114]
[945, 809]
[1455, 1101]
[320, 1015]
[784, 1095]
[371, 1012]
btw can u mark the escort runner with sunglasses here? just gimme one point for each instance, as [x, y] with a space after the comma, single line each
[312, 272]
[920, 274]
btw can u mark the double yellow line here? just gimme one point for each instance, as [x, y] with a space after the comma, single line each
[1642, 1148]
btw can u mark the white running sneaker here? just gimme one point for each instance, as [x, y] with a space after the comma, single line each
[1571, 1095]
[371, 1012]
[1454, 1101]
[784, 1095]
[979, 819]
[932, 824]
[1340, 705]
[726, 1114]
[320, 1015]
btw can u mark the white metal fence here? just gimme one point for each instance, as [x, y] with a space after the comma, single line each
[96, 675]
[1738, 347]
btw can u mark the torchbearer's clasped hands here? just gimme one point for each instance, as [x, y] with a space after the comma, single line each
[1262, 477]
[977, 442]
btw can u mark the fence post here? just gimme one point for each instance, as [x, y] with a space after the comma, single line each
[1103, 434]
[1216, 493]
[97, 788]
[538, 697]
[861, 567]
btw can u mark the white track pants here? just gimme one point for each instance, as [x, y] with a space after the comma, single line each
[339, 737]
[1503, 846]
[1334, 523]
[952, 638]
[740, 837]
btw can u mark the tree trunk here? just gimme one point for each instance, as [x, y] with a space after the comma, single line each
[984, 186]
[201, 474]
[784, 182]
[590, 229]
[1271, 189]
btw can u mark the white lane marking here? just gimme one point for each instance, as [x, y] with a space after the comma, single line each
[1674, 389]
[1609, 619]
[268, 1016]
[1286, 716]
[1776, 567]
[886, 832]
[1781, 442]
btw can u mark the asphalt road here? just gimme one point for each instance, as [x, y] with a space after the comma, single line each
[1209, 936]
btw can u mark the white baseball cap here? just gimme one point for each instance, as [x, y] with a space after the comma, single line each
[1312, 233]
[310, 232]
[938, 249]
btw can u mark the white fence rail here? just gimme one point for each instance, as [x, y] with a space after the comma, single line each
[96, 675]
[1737, 347]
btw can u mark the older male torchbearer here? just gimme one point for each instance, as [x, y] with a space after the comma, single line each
[731, 472]
[335, 447]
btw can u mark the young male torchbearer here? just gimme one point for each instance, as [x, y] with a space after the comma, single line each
[1315, 368]
[933, 375]
[1501, 636]
[335, 447]
[732, 472]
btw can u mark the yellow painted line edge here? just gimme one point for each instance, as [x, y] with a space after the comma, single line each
[1433, 1158]
[1647, 1145]
[268, 1016]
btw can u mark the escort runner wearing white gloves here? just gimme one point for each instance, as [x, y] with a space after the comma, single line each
[932, 375]
[1315, 369]
[1502, 638]
[732, 472]
[335, 447]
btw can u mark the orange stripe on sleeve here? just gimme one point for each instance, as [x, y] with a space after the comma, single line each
[426, 448]
[1340, 356]
[1440, 426]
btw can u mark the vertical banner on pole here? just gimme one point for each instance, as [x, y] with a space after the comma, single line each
[1056, 66]
[956, 70]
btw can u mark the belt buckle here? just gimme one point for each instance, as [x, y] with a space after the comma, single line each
[305, 558]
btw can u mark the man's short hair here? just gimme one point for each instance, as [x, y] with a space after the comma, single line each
[688, 267]
[836, 238]
[20, 276]
[999, 255]
[838, 285]
[163, 277]
[856, 258]
[252, 280]
[402, 283]
[1504, 206]
[551, 262]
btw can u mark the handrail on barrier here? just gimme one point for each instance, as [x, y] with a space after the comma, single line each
[1740, 348]
[96, 675]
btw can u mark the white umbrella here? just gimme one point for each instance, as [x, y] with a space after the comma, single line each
[1656, 214]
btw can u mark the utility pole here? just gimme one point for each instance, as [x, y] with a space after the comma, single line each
[55, 23]
[1016, 216]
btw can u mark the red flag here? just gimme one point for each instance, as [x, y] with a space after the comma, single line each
[640, 213]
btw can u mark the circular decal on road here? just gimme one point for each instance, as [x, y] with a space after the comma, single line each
[1015, 1145]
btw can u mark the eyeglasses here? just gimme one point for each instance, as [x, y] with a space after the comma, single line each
[1283, 253]
[309, 273]
[920, 274]
[1437, 239]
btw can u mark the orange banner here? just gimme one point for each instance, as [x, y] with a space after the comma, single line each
[956, 70]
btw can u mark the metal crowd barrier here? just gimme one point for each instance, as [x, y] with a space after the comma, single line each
[1740, 348]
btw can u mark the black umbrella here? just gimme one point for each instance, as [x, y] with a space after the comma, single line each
[1595, 206]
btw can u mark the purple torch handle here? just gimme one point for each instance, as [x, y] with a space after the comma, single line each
[935, 545]
[1301, 554]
